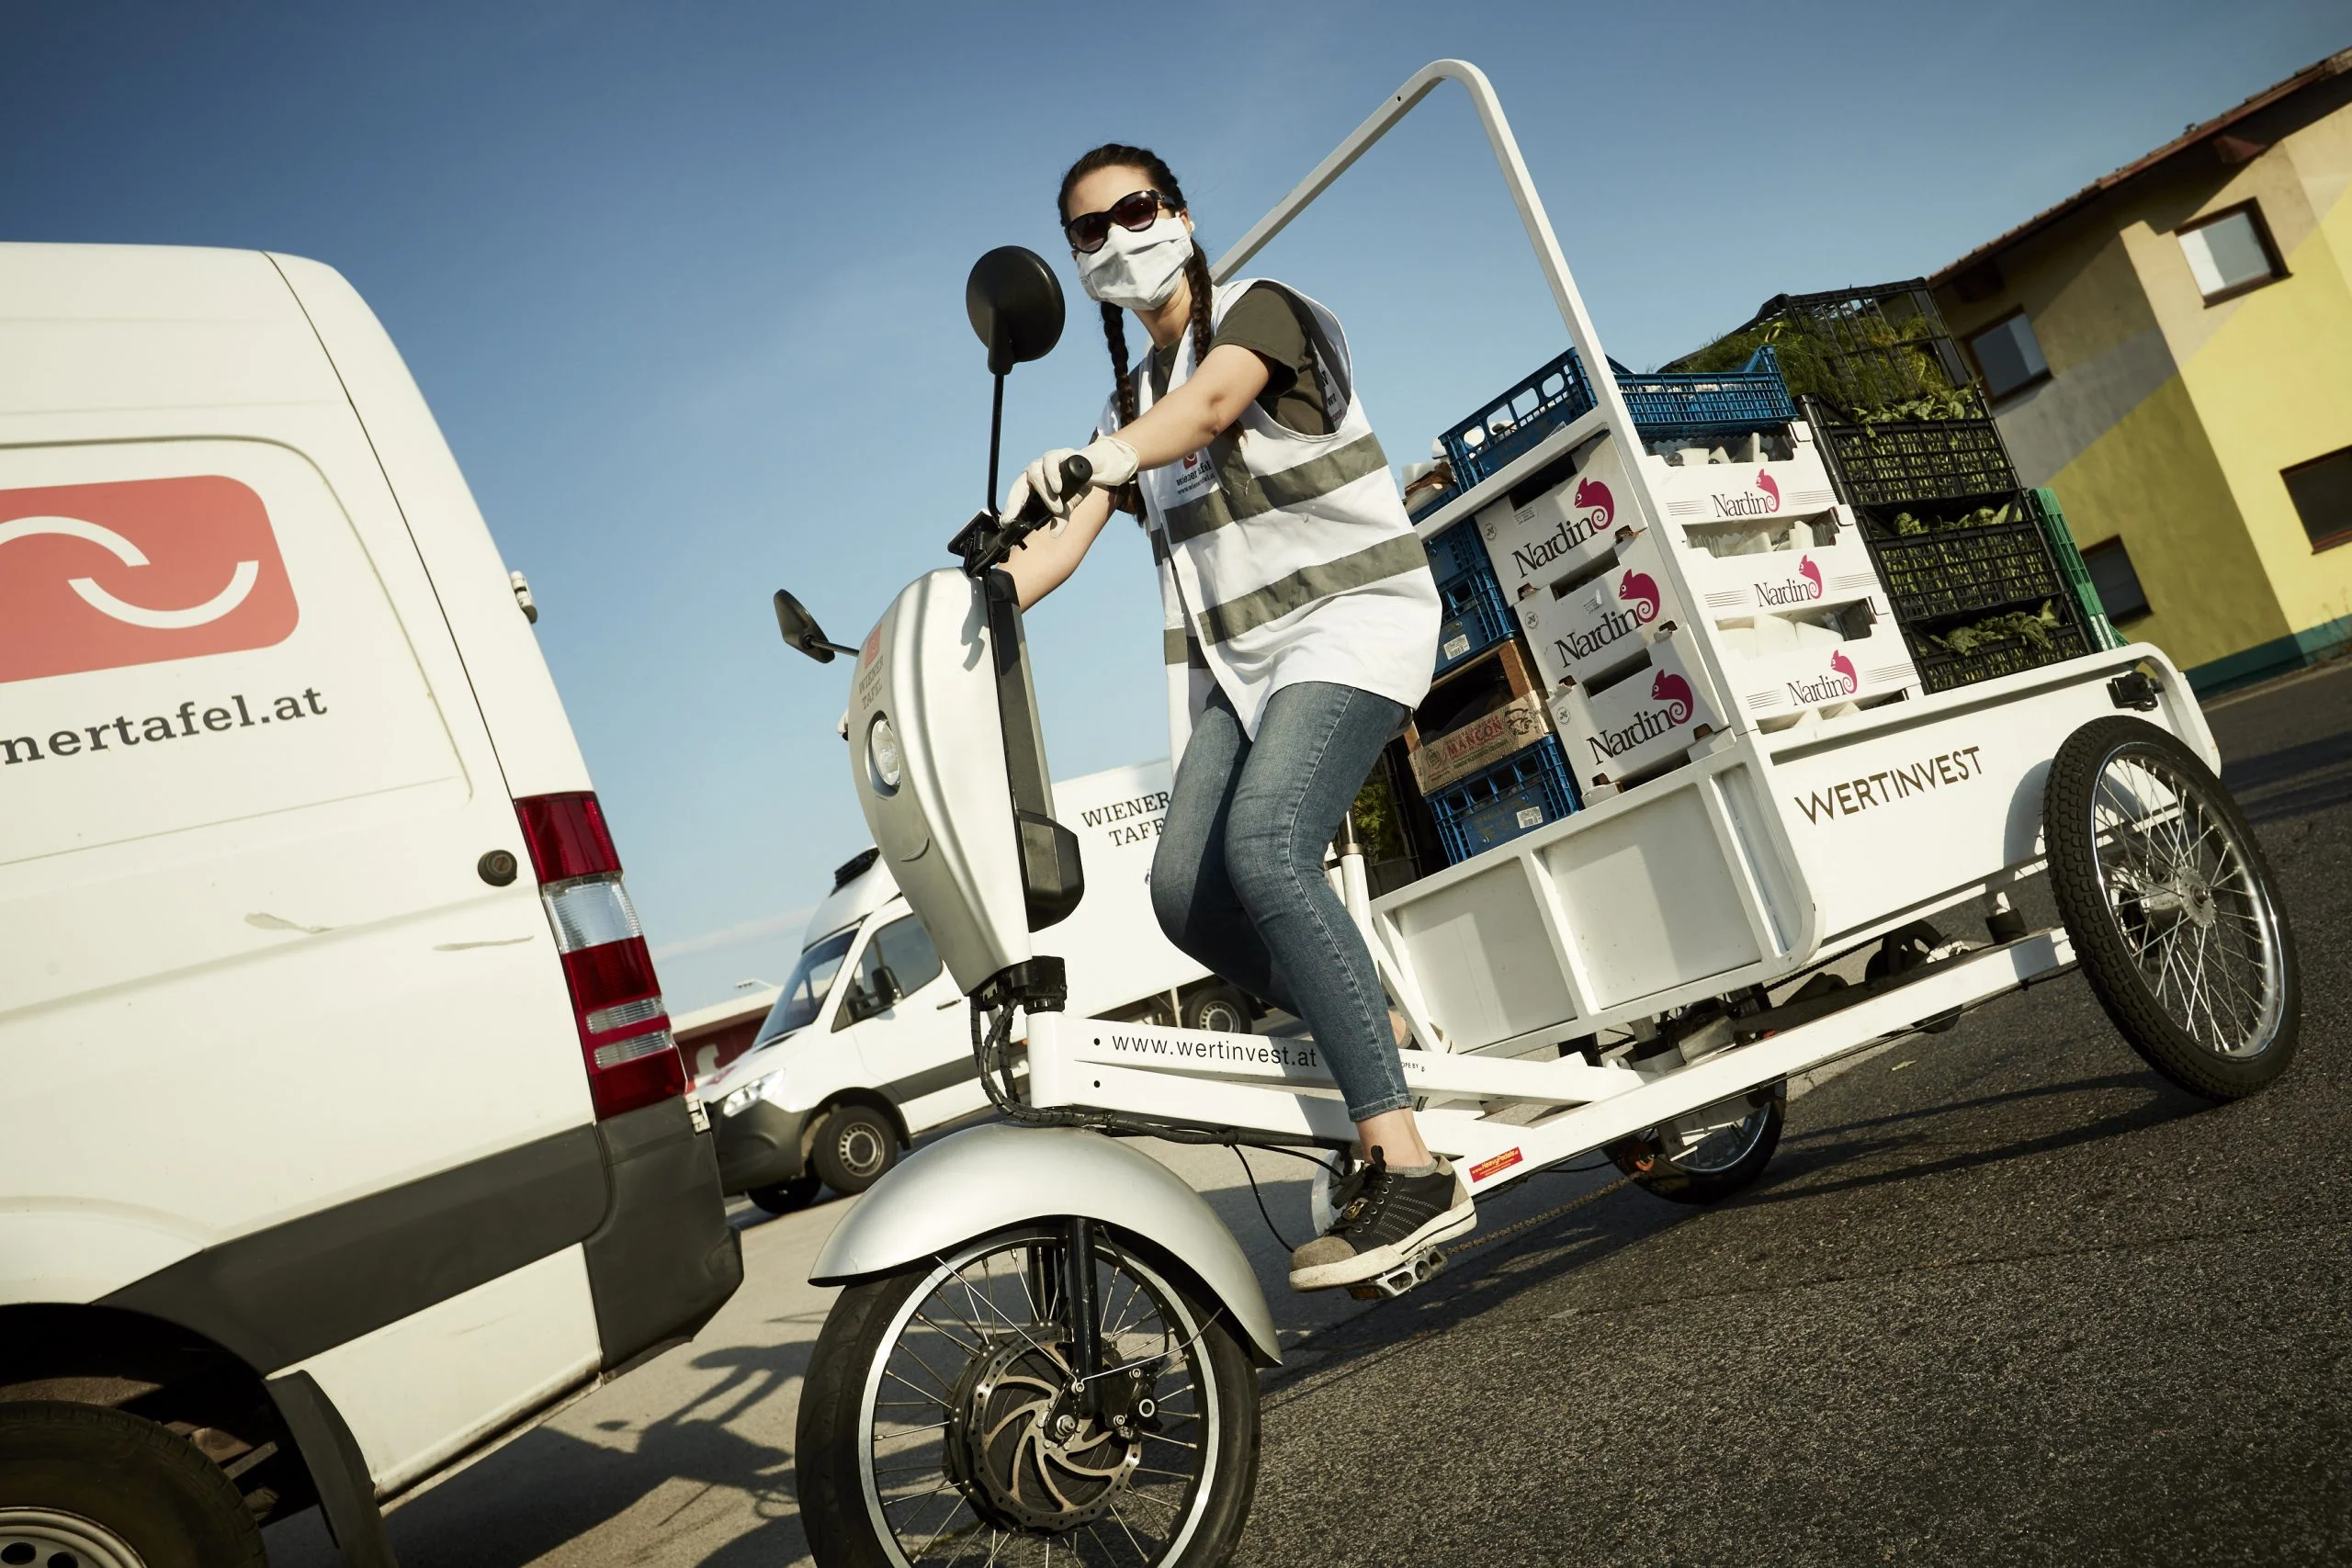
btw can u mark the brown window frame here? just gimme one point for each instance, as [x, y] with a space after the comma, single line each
[2334, 541]
[2252, 208]
[1967, 346]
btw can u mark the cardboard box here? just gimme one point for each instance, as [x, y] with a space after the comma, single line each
[1463, 749]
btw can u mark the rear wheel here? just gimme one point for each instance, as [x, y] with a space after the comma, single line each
[84, 1486]
[2170, 905]
[786, 1197]
[1707, 1155]
[939, 1423]
[855, 1147]
[1219, 1010]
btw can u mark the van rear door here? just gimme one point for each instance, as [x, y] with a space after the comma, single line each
[250, 820]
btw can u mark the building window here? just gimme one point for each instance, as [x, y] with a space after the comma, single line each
[2322, 489]
[2230, 252]
[2008, 355]
[2120, 593]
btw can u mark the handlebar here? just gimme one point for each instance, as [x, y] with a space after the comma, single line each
[987, 539]
[1077, 473]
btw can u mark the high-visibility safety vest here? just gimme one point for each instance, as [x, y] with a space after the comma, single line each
[1284, 557]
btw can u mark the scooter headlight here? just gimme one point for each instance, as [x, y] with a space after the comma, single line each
[882, 759]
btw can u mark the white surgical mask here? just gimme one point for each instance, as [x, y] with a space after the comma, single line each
[1137, 269]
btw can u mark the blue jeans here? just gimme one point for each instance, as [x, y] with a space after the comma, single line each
[1237, 880]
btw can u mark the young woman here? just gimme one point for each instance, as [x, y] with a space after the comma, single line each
[1301, 628]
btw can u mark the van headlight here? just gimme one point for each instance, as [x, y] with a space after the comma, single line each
[741, 1100]
[882, 758]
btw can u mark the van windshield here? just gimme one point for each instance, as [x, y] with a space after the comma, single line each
[804, 994]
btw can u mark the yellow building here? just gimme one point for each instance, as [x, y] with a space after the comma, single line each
[2170, 349]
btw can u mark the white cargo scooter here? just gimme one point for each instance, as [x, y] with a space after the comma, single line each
[1045, 1343]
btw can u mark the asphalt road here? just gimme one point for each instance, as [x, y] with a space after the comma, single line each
[2003, 1296]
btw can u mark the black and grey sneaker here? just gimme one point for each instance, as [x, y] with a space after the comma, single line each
[1381, 1219]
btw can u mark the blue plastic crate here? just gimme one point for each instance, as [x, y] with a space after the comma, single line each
[1458, 550]
[1518, 794]
[1476, 617]
[1722, 404]
[1556, 395]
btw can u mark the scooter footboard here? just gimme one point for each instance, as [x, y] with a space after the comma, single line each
[995, 1176]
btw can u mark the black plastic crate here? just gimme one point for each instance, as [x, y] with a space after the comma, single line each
[1912, 461]
[1983, 567]
[1941, 668]
[1870, 347]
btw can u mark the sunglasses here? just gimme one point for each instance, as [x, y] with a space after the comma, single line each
[1134, 212]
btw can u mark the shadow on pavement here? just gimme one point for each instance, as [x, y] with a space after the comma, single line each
[551, 1486]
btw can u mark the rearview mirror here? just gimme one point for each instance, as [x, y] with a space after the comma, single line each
[800, 630]
[1015, 304]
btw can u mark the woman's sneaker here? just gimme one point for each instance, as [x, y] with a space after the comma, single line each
[1380, 1220]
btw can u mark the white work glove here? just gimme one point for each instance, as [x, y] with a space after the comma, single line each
[1113, 461]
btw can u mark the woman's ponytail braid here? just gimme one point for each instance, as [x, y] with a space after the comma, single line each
[1114, 328]
[1196, 275]
[1118, 154]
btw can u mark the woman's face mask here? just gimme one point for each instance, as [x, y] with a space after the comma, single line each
[1137, 269]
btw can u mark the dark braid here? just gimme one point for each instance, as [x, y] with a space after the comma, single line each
[1196, 274]
[1118, 155]
[1114, 328]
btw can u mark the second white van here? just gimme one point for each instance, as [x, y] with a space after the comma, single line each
[869, 1045]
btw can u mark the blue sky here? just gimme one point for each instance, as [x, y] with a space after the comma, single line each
[683, 282]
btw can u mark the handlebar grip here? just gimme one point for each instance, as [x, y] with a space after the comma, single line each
[1076, 474]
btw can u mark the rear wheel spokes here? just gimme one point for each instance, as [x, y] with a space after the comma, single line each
[2194, 918]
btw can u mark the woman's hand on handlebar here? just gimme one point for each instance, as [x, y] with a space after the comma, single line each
[1111, 463]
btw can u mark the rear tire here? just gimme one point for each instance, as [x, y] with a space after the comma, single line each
[85, 1484]
[1717, 1168]
[1218, 1010]
[2170, 903]
[787, 1196]
[938, 1334]
[855, 1147]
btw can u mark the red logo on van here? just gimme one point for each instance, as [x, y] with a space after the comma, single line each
[99, 576]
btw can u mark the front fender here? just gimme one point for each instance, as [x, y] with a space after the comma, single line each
[995, 1176]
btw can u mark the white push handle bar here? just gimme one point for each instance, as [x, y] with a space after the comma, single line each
[1418, 86]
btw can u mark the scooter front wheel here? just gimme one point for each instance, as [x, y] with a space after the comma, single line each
[942, 1419]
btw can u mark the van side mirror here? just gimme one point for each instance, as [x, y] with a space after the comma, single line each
[885, 989]
[800, 630]
[1015, 305]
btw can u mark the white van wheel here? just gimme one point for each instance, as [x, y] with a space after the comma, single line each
[101, 1488]
[1219, 1010]
[855, 1147]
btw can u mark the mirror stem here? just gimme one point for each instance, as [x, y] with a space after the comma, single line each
[996, 436]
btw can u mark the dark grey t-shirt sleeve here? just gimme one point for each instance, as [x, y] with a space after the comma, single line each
[1266, 320]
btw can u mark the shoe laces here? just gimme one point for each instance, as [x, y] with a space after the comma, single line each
[1360, 1197]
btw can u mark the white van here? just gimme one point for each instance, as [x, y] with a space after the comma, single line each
[845, 1073]
[341, 1128]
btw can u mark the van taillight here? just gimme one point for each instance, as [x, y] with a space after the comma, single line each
[624, 1028]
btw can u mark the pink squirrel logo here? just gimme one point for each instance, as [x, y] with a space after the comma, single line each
[1641, 593]
[1845, 668]
[1811, 573]
[1593, 496]
[1770, 487]
[1675, 692]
